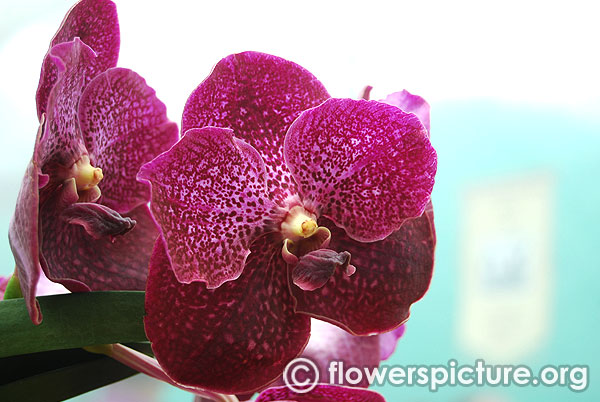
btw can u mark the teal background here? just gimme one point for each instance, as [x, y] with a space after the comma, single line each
[478, 140]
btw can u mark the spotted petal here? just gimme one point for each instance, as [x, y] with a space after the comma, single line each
[366, 165]
[95, 23]
[124, 125]
[411, 104]
[233, 339]
[82, 262]
[321, 393]
[62, 143]
[23, 231]
[258, 96]
[209, 197]
[390, 275]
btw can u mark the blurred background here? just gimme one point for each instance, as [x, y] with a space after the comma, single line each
[515, 94]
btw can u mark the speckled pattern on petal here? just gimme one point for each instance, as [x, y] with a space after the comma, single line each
[411, 104]
[209, 197]
[78, 261]
[233, 339]
[23, 232]
[95, 23]
[62, 143]
[321, 393]
[366, 165]
[124, 125]
[390, 275]
[258, 96]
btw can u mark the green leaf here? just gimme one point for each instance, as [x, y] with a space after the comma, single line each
[59, 375]
[71, 321]
[13, 288]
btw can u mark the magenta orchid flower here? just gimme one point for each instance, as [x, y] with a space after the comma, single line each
[299, 206]
[81, 215]
[321, 393]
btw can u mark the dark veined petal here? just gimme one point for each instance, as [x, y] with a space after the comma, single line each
[23, 231]
[95, 23]
[209, 198]
[411, 104]
[388, 342]
[124, 125]
[80, 262]
[321, 393]
[258, 96]
[390, 275]
[233, 339]
[366, 165]
[62, 143]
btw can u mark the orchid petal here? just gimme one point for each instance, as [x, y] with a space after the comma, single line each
[321, 393]
[74, 258]
[209, 198]
[391, 274]
[62, 144]
[23, 231]
[388, 342]
[328, 343]
[124, 125]
[95, 23]
[411, 104]
[258, 96]
[233, 339]
[366, 165]
[3, 282]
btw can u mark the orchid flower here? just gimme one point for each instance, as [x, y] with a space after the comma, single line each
[321, 393]
[81, 216]
[279, 204]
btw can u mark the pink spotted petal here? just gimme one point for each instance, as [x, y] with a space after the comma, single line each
[388, 342]
[366, 165]
[390, 275]
[209, 198]
[124, 125]
[411, 104]
[23, 231]
[321, 393]
[81, 262]
[233, 339]
[62, 143]
[315, 268]
[95, 23]
[98, 220]
[258, 96]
